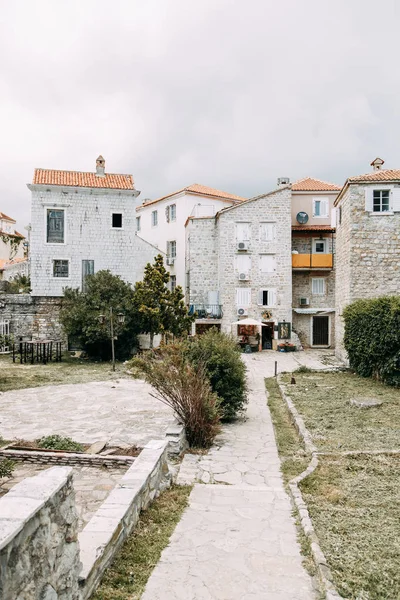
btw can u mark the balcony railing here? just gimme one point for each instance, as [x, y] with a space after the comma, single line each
[206, 311]
[312, 261]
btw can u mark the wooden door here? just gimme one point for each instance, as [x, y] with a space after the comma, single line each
[320, 331]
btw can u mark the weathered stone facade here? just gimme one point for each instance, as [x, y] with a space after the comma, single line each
[368, 251]
[39, 551]
[213, 254]
[30, 317]
[88, 235]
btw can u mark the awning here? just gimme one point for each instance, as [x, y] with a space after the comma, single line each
[247, 321]
[313, 311]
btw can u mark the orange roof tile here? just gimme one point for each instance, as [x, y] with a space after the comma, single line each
[308, 184]
[79, 179]
[380, 175]
[197, 188]
[6, 217]
[313, 228]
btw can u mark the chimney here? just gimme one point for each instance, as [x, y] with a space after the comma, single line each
[377, 164]
[100, 166]
[283, 181]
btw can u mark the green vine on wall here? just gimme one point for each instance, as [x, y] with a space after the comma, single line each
[14, 242]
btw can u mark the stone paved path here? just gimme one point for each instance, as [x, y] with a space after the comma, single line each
[237, 541]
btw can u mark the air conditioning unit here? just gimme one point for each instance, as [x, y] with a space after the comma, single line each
[244, 277]
[170, 261]
[243, 246]
[242, 312]
[304, 301]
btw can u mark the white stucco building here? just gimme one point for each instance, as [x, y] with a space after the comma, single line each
[162, 221]
[83, 222]
[12, 248]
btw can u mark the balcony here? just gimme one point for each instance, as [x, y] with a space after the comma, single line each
[312, 261]
[206, 311]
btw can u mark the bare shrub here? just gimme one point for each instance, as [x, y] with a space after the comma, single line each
[183, 387]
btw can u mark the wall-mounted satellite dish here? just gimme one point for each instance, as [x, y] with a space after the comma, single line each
[302, 218]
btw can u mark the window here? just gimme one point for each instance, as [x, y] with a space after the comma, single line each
[319, 246]
[318, 286]
[55, 226]
[117, 220]
[243, 297]
[154, 218]
[173, 282]
[267, 297]
[170, 213]
[243, 264]
[267, 232]
[243, 232]
[171, 249]
[137, 223]
[267, 263]
[60, 268]
[87, 269]
[381, 200]
[320, 207]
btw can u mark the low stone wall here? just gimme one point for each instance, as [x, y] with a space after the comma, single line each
[32, 317]
[66, 458]
[116, 517]
[39, 552]
[176, 438]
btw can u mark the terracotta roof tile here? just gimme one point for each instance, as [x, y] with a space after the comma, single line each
[381, 175]
[313, 228]
[197, 188]
[79, 179]
[6, 217]
[308, 184]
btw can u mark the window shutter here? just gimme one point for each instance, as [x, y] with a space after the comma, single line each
[260, 297]
[369, 199]
[272, 298]
[396, 199]
[243, 296]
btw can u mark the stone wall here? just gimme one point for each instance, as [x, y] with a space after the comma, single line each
[302, 288]
[32, 318]
[88, 236]
[39, 552]
[201, 259]
[119, 513]
[367, 255]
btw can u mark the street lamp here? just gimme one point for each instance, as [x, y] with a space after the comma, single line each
[121, 320]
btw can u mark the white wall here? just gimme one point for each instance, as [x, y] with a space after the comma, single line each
[88, 236]
[186, 205]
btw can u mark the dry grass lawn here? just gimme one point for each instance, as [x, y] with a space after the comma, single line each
[14, 376]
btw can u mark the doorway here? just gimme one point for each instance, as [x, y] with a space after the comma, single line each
[267, 335]
[320, 331]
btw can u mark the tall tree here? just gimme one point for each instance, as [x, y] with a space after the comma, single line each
[150, 298]
[177, 319]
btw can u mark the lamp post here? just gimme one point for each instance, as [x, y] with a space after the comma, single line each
[121, 320]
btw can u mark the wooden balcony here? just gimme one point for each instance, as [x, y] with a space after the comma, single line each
[312, 261]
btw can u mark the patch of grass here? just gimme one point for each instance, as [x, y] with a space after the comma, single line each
[14, 376]
[291, 450]
[354, 505]
[126, 578]
[323, 399]
[57, 442]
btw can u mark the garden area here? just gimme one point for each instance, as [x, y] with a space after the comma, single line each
[352, 496]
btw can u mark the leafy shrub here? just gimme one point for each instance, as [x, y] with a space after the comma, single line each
[6, 467]
[372, 338]
[224, 367]
[183, 387]
[57, 442]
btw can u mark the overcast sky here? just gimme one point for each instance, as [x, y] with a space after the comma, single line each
[230, 94]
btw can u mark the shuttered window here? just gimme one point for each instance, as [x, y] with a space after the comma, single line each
[267, 263]
[318, 286]
[55, 226]
[320, 207]
[243, 297]
[267, 232]
[243, 264]
[243, 232]
[267, 297]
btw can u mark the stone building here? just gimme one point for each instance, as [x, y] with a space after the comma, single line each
[12, 244]
[83, 223]
[162, 221]
[267, 263]
[368, 240]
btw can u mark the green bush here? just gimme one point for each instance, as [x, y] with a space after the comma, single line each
[6, 467]
[372, 338]
[57, 442]
[224, 367]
